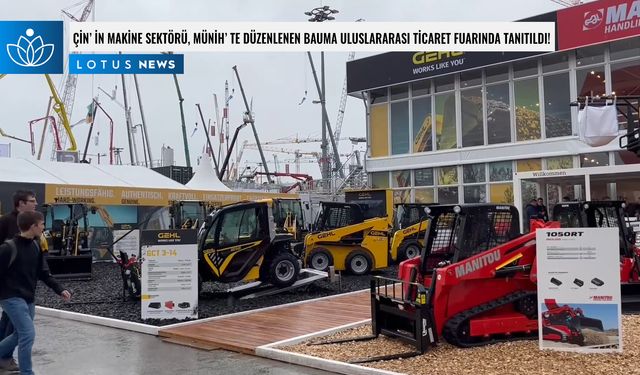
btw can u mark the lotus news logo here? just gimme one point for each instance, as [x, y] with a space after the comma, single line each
[30, 51]
[31, 47]
[592, 19]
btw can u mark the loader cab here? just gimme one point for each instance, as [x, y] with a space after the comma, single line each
[457, 232]
[188, 214]
[407, 214]
[335, 215]
[239, 242]
[374, 203]
[288, 217]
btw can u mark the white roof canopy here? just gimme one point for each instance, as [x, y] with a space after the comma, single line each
[205, 177]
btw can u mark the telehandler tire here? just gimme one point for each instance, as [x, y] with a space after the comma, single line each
[283, 270]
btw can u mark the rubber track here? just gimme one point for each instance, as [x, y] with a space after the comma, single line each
[451, 328]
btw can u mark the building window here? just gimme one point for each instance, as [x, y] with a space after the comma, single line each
[625, 77]
[448, 195]
[527, 110]
[497, 73]
[501, 171]
[501, 193]
[473, 173]
[557, 113]
[400, 128]
[470, 78]
[624, 48]
[448, 175]
[379, 180]
[379, 131]
[560, 162]
[591, 81]
[446, 121]
[402, 196]
[399, 92]
[422, 122]
[444, 83]
[589, 55]
[498, 114]
[525, 68]
[423, 177]
[424, 195]
[421, 88]
[472, 129]
[529, 165]
[596, 159]
[400, 179]
[626, 157]
[378, 96]
[475, 193]
[554, 62]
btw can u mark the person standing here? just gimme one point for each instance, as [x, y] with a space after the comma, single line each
[23, 200]
[531, 212]
[542, 210]
[22, 264]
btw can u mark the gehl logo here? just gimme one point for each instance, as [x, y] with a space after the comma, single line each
[325, 235]
[564, 234]
[169, 236]
[420, 58]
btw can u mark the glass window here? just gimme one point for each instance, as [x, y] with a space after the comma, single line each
[560, 162]
[472, 129]
[529, 165]
[501, 171]
[527, 109]
[525, 68]
[448, 175]
[422, 123]
[596, 159]
[400, 179]
[475, 194]
[498, 114]
[421, 88]
[472, 173]
[399, 92]
[399, 128]
[497, 73]
[378, 96]
[423, 177]
[470, 78]
[557, 113]
[448, 195]
[379, 130]
[589, 55]
[555, 61]
[590, 81]
[424, 195]
[380, 180]
[402, 196]
[625, 48]
[446, 121]
[444, 83]
[626, 157]
[501, 193]
[626, 78]
[238, 227]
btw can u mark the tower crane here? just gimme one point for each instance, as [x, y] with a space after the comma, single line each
[343, 103]
[69, 90]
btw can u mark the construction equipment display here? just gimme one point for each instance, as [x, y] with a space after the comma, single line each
[69, 253]
[239, 242]
[344, 238]
[473, 284]
[409, 225]
[565, 324]
[188, 214]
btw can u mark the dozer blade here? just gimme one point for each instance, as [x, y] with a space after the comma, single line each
[76, 267]
[591, 323]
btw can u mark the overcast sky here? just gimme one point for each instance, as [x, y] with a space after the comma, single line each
[276, 81]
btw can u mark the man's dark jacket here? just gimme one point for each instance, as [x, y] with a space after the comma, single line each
[9, 226]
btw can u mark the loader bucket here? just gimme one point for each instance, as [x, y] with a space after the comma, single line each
[77, 267]
[591, 323]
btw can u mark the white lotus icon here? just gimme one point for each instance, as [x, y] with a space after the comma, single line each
[30, 52]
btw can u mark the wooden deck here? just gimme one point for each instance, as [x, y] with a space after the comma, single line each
[244, 333]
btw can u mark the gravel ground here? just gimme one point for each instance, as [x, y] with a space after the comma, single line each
[102, 296]
[519, 357]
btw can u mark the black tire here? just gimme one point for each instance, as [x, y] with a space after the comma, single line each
[359, 263]
[408, 250]
[320, 259]
[283, 270]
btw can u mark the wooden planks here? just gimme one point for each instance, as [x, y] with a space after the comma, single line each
[244, 333]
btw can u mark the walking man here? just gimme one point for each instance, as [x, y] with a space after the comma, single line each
[22, 263]
[23, 200]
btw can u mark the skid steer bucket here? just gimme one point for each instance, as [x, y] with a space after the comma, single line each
[77, 267]
[591, 323]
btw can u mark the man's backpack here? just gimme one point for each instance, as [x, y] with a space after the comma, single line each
[14, 251]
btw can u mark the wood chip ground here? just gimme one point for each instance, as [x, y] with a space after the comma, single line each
[519, 357]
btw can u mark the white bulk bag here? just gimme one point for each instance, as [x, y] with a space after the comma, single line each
[598, 125]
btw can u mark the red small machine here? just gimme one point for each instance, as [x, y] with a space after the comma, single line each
[565, 324]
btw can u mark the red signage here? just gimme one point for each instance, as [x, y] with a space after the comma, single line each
[598, 22]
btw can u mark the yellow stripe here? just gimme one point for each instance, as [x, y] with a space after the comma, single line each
[512, 259]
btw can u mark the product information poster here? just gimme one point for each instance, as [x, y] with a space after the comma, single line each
[169, 274]
[579, 290]
[129, 244]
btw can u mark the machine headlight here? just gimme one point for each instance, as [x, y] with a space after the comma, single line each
[586, 206]
[457, 209]
[427, 210]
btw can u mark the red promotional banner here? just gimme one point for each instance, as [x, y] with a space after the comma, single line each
[598, 22]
